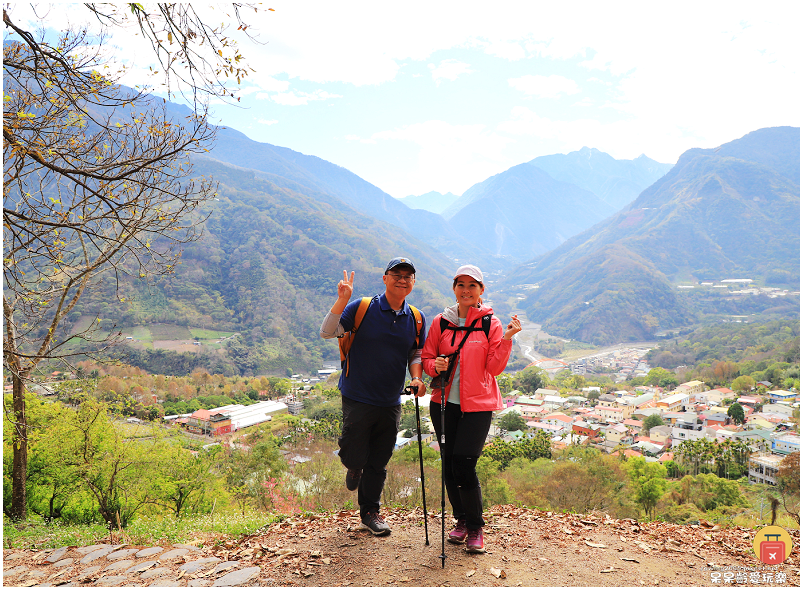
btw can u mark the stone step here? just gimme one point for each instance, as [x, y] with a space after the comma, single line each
[105, 565]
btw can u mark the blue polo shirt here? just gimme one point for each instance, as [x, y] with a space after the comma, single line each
[380, 352]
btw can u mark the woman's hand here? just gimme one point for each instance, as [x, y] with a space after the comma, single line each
[513, 327]
[441, 363]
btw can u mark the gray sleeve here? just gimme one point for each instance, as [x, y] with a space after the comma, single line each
[415, 358]
[331, 328]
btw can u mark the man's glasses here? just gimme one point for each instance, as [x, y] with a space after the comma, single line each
[399, 277]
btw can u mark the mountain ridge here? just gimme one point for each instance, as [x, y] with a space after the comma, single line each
[712, 215]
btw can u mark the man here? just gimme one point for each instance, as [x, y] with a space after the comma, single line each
[384, 345]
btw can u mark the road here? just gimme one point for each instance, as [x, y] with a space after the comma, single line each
[527, 338]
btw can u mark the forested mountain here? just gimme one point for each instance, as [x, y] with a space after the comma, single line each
[524, 212]
[433, 201]
[267, 267]
[313, 175]
[534, 207]
[617, 182]
[729, 212]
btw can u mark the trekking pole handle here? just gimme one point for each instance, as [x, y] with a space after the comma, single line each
[411, 389]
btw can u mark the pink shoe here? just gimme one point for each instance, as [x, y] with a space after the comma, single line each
[475, 541]
[459, 534]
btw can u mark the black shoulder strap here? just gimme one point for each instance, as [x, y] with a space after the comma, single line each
[486, 324]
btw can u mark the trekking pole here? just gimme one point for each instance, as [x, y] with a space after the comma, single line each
[413, 389]
[441, 451]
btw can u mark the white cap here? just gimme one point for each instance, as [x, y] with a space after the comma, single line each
[471, 271]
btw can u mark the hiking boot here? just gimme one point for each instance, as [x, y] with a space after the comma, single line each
[475, 541]
[375, 523]
[459, 534]
[352, 478]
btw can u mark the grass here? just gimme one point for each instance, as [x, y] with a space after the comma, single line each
[202, 334]
[144, 530]
[170, 332]
[142, 333]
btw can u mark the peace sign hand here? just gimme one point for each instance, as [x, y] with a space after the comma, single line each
[345, 287]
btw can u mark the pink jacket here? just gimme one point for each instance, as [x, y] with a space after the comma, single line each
[480, 361]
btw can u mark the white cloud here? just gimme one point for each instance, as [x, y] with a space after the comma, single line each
[448, 69]
[296, 98]
[265, 84]
[351, 137]
[511, 51]
[544, 86]
[623, 139]
[667, 82]
[266, 122]
[451, 157]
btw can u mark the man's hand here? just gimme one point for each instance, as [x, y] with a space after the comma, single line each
[344, 291]
[416, 381]
[345, 287]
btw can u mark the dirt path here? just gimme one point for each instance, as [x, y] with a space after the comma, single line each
[524, 548]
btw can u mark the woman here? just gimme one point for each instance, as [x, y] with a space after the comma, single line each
[471, 394]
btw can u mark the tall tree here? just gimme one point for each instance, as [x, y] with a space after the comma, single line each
[736, 412]
[530, 379]
[651, 421]
[649, 483]
[96, 179]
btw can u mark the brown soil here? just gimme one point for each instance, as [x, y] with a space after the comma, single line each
[524, 548]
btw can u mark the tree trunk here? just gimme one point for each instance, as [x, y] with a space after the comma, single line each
[19, 472]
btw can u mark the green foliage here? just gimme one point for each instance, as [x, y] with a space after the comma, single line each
[648, 481]
[408, 423]
[527, 478]
[728, 458]
[528, 447]
[611, 295]
[505, 382]
[512, 421]
[530, 379]
[410, 454]
[83, 468]
[736, 412]
[747, 344]
[706, 492]
[263, 269]
[651, 421]
[494, 488]
[321, 409]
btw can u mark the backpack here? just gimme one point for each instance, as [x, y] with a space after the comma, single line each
[346, 339]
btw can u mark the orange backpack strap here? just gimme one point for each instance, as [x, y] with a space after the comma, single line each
[418, 320]
[346, 339]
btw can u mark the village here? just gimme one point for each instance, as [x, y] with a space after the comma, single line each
[615, 424]
[610, 421]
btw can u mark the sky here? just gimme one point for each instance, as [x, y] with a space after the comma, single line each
[437, 96]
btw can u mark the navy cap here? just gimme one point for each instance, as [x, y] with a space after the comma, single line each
[395, 262]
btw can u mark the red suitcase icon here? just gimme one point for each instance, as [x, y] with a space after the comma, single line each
[773, 552]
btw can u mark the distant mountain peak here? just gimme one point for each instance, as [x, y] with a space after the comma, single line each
[696, 221]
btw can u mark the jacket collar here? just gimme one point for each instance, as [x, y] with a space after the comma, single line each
[386, 307]
[451, 313]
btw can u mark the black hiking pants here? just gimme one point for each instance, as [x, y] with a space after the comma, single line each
[465, 435]
[369, 434]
